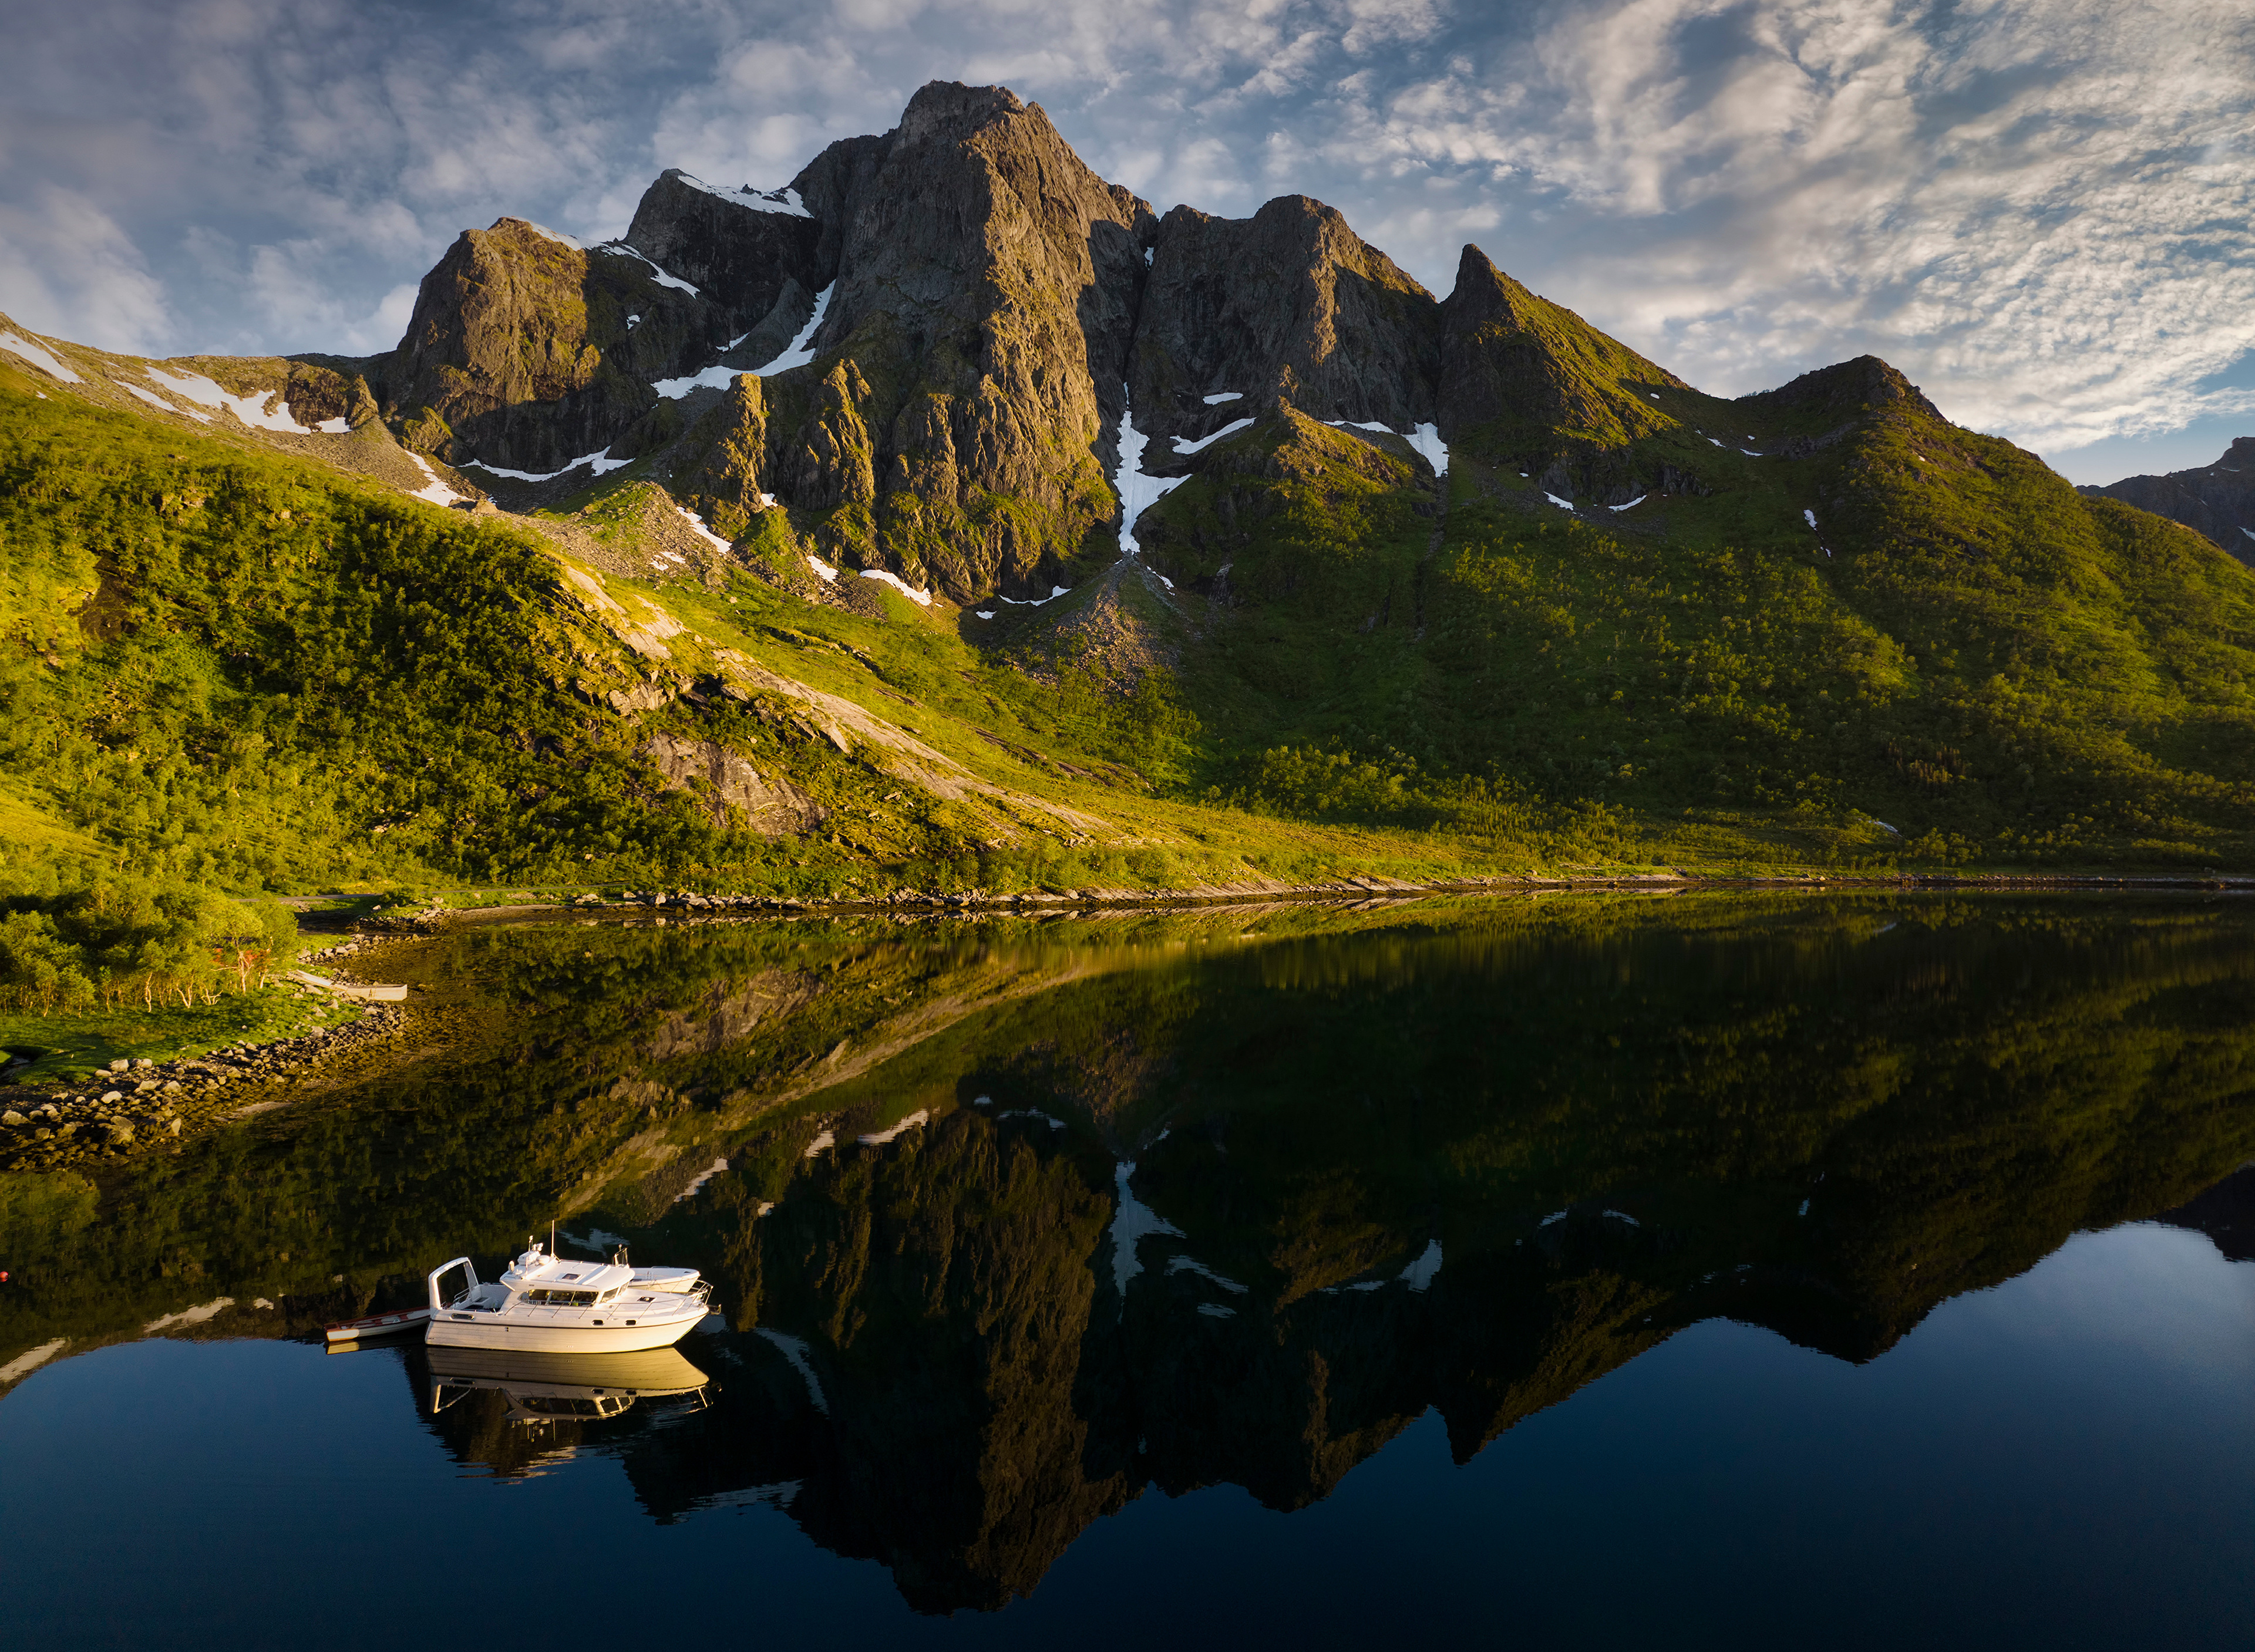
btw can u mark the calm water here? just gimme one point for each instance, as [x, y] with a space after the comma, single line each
[1701, 1271]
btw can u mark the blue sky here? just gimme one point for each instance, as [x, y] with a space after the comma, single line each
[2043, 212]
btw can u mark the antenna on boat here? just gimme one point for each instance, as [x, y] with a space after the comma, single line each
[551, 1235]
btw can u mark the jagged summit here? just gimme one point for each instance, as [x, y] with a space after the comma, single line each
[951, 322]
[1516, 372]
[1287, 303]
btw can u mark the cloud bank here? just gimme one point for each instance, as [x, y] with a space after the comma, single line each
[2038, 210]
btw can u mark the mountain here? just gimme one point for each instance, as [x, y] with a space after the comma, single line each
[948, 518]
[2217, 500]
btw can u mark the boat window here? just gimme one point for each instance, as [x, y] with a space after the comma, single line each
[561, 1298]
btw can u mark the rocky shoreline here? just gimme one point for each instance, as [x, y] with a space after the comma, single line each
[1367, 888]
[136, 1106]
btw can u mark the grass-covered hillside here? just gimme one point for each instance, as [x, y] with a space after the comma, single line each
[1843, 610]
[238, 667]
[253, 663]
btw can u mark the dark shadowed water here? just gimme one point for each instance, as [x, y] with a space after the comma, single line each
[1713, 1271]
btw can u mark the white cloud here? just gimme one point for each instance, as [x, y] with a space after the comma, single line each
[69, 270]
[2040, 210]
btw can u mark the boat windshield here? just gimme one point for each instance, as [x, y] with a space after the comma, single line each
[562, 1298]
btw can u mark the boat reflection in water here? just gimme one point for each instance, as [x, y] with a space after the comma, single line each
[510, 1409]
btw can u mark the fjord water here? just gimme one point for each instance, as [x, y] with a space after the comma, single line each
[1715, 1269]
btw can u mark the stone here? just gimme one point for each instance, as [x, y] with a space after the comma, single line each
[120, 1066]
[729, 788]
[12, 1116]
[111, 1096]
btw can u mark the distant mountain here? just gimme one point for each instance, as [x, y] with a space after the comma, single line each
[2217, 499]
[948, 518]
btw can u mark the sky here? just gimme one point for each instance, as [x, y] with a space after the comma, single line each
[2043, 212]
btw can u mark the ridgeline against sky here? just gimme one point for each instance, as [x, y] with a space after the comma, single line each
[2038, 211]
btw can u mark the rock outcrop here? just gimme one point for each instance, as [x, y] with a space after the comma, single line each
[527, 351]
[984, 303]
[730, 790]
[744, 250]
[1514, 370]
[2217, 499]
[1288, 304]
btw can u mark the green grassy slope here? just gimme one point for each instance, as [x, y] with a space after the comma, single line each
[226, 665]
[1962, 646]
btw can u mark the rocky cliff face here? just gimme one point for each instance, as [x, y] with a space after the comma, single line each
[2217, 500]
[743, 249]
[984, 306]
[1289, 304]
[992, 307]
[526, 351]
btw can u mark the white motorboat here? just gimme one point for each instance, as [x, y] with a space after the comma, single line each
[554, 1304]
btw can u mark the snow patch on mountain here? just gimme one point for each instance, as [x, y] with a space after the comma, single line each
[783, 202]
[663, 278]
[1183, 445]
[921, 598]
[1426, 438]
[437, 493]
[697, 525]
[261, 409]
[596, 460]
[1137, 488]
[163, 406]
[38, 358]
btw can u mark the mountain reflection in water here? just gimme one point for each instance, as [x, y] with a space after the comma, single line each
[1215, 1197]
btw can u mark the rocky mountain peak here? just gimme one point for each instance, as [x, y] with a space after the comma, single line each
[950, 112]
[526, 350]
[986, 290]
[744, 249]
[1515, 370]
[1845, 391]
[1290, 302]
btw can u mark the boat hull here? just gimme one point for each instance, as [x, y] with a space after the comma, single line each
[378, 1325]
[493, 1330]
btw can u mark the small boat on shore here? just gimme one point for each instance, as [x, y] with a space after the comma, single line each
[555, 1304]
[377, 1324]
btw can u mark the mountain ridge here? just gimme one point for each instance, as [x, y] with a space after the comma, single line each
[1421, 587]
